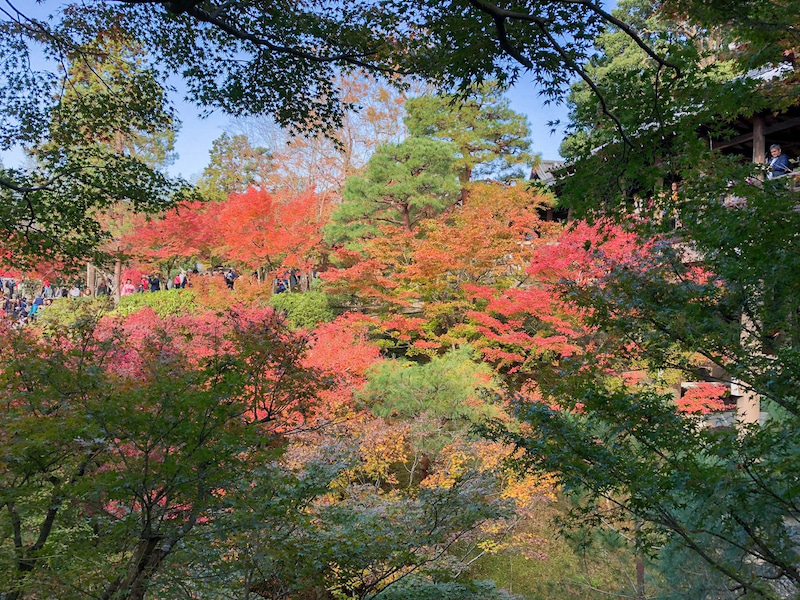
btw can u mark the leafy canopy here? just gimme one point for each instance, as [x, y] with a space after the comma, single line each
[97, 141]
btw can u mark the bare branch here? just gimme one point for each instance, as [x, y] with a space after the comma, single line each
[585, 76]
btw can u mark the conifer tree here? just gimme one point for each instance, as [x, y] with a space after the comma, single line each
[235, 165]
[492, 140]
[403, 183]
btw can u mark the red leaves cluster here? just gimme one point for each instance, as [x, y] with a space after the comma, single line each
[252, 229]
[255, 228]
[181, 231]
[522, 324]
[341, 350]
[328, 366]
[703, 398]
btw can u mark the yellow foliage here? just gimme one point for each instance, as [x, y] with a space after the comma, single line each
[456, 459]
[380, 449]
[490, 546]
[452, 464]
[524, 489]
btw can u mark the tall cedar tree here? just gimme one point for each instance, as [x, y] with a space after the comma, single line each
[106, 135]
[234, 166]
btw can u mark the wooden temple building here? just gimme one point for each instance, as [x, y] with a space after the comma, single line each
[755, 134]
[751, 139]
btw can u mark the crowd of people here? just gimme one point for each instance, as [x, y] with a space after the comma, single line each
[292, 279]
[152, 283]
[23, 300]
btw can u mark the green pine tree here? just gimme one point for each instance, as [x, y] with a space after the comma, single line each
[492, 140]
[403, 183]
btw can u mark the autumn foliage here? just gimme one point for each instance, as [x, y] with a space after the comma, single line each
[251, 230]
[439, 329]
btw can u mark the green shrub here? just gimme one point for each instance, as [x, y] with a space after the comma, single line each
[66, 312]
[447, 387]
[167, 303]
[305, 309]
[419, 588]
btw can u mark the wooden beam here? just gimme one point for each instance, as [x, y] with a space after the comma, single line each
[719, 145]
[781, 126]
[732, 142]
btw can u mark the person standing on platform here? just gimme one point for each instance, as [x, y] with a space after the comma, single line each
[778, 162]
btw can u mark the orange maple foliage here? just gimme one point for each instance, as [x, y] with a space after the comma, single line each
[341, 349]
[53, 270]
[532, 322]
[257, 229]
[422, 279]
[181, 232]
[703, 398]
[487, 240]
[252, 230]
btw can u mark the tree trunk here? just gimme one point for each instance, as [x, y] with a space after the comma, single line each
[640, 592]
[117, 280]
[149, 556]
[91, 278]
[463, 179]
[407, 217]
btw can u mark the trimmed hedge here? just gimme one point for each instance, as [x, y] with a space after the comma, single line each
[166, 303]
[303, 309]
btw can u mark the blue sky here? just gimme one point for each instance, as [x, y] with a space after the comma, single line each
[196, 135]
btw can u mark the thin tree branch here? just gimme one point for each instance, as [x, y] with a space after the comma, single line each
[212, 18]
[576, 68]
[628, 30]
[499, 17]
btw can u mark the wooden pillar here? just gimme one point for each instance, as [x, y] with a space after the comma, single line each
[759, 141]
[748, 406]
[117, 280]
[91, 277]
[748, 403]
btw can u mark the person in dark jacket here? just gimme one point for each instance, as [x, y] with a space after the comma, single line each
[778, 162]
